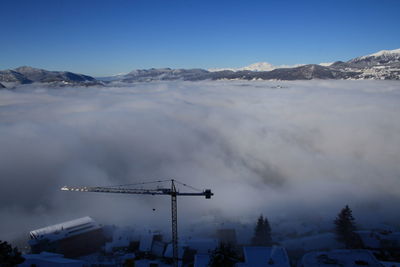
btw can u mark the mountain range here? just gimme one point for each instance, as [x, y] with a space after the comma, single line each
[27, 75]
[383, 65]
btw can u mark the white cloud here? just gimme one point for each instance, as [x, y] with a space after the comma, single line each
[310, 148]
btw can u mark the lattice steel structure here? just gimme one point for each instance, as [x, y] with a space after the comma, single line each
[172, 191]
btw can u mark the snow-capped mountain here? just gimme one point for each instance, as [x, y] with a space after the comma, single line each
[165, 74]
[325, 64]
[381, 65]
[26, 75]
[40, 75]
[259, 66]
[12, 76]
[383, 54]
[384, 64]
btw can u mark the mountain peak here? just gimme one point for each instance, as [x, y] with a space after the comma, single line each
[385, 52]
[259, 66]
[26, 69]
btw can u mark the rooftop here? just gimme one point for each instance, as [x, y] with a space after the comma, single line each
[65, 229]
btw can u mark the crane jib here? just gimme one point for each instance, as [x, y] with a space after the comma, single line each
[164, 191]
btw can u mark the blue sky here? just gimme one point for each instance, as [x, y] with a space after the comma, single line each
[114, 36]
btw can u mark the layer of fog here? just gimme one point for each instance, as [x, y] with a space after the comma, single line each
[301, 151]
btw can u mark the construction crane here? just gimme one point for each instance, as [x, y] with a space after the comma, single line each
[172, 191]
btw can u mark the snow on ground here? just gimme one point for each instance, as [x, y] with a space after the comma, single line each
[345, 258]
[314, 242]
[390, 264]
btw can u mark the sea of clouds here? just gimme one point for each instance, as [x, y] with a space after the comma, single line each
[299, 149]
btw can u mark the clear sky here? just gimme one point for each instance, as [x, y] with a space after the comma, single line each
[105, 37]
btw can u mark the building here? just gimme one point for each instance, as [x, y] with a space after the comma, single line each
[121, 238]
[380, 239]
[201, 260]
[201, 245]
[151, 263]
[46, 259]
[264, 257]
[72, 239]
[196, 250]
[340, 258]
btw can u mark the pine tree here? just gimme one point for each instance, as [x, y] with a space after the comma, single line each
[345, 229]
[267, 236]
[224, 255]
[262, 233]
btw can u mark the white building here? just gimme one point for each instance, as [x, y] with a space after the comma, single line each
[264, 257]
[72, 238]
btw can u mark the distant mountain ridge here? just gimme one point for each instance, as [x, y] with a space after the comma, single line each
[27, 75]
[259, 66]
[383, 65]
[166, 74]
[40, 75]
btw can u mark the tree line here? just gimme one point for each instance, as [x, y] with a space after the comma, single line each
[345, 232]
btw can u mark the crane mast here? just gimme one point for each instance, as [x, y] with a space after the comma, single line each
[172, 191]
[174, 220]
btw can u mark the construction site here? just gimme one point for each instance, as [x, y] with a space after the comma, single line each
[85, 242]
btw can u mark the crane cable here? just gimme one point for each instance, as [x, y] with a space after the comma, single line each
[154, 182]
[189, 186]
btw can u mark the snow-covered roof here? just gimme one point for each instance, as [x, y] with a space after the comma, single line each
[390, 264]
[342, 258]
[158, 248]
[146, 240]
[201, 260]
[373, 239]
[65, 229]
[147, 263]
[49, 259]
[265, 256]
[168, 250]
[370, 239]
